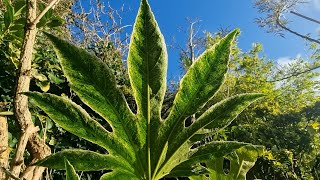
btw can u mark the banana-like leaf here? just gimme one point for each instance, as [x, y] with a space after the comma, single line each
[142, 145]
[241, 162]
[70, 172]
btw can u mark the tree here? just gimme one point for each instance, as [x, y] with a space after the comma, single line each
[276, 116]
[280, 114]
[275, 21]
[17, 14]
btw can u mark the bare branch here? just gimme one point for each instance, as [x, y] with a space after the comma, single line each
[305, 17]
[297, 34]
[275, 20]
[295, 74]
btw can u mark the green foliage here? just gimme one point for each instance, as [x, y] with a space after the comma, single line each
[283, 120]
[12, 22]
[143, 145]
[71, 173]
[241, 161]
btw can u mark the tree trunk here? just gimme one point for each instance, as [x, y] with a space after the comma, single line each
[4, 147]
[36, 146]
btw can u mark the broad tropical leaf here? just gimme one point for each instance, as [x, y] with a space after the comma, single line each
[241, 161]
[143, 145]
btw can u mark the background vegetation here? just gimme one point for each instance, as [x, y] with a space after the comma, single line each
[286, 122]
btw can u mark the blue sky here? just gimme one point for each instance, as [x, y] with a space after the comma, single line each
[172, 14]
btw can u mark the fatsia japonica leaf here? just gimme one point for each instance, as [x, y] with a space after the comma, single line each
[70, 172]
[241, 161]
[143, 145]
[211, 151]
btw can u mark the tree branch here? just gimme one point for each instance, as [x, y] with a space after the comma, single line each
[305, 17]
[295, 74]
[36, 146]
[296, 33]
[4, 147]
[18, 158]
[46, 9]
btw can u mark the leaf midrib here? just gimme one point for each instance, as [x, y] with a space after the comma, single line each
[148, 96]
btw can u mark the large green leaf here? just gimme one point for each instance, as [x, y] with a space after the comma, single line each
[95, 84]
[242, 160]
[208, 152]
[201, 82]
[147, 66]
[71, 173]
[142, 145]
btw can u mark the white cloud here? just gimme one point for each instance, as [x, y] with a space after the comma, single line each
[285, 61]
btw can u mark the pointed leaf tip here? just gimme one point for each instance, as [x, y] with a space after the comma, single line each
[71, 173]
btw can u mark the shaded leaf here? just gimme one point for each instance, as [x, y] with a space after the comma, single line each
[8, 15]
[83, 160]
[244, 159]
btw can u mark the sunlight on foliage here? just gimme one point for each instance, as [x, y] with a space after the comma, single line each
[143, 145]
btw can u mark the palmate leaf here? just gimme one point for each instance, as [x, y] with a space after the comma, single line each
[206, 153]
[142, 145]
[241, 161]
